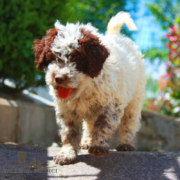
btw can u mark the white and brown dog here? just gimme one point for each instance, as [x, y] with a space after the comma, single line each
[96, 79]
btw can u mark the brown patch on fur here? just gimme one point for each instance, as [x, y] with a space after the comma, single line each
[103, 132]
[74, 113]
[101, 123]
[71, 124]
[71, 136]
[101, 142]
[115, 117]
[43, 54]
[130, 116]
[107, 140]
[73, 133]
[98, 151]
[125, 147]
[62, 116]
[90, 55]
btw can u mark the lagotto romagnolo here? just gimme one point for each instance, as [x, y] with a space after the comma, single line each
[97, 83]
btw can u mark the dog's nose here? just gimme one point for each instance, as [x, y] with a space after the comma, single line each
[60, 78]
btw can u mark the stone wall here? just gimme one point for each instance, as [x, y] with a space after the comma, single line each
[23, 122]
[27, 123]
[159, 133]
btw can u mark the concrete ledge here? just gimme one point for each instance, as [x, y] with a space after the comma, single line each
[115, 166]
[25, 122]
[29, 123]
[158, 133]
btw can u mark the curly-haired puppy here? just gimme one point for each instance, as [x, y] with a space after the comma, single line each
[94, 78]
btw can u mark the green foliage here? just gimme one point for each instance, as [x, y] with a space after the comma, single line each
[100, 11]
[152, 90]
[151, 87]
[166, 13]
[153, 53]
[22, 21]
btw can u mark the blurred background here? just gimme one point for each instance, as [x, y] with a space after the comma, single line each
[158, 37]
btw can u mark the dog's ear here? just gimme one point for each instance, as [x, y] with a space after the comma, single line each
[43, 53]
[90, 55]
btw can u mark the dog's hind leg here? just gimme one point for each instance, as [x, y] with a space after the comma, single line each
[130, 122]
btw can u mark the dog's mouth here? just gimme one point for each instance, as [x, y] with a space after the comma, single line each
[64, 92]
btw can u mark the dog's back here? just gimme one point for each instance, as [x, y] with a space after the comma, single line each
[128, 64]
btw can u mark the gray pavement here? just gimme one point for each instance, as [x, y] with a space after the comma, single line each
[35, 163]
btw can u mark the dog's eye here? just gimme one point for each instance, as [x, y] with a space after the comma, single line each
[60, 62]
[53, 61]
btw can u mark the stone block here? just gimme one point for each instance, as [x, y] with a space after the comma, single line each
[9, 112]
[28, 123]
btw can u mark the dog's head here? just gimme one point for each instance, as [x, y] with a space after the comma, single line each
[71, 55]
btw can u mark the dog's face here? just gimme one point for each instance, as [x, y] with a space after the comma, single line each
[71, 55]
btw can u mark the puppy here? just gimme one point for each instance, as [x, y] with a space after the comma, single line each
[96, 79]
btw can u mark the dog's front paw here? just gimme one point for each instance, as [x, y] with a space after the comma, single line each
[98, 151]
[125, 147]
[63, 159]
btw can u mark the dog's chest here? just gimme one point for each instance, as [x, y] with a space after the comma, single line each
[86, 106]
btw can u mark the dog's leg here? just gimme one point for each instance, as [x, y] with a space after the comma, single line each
[86, 139]
[103, 130]
[70, 136]
[130, 122]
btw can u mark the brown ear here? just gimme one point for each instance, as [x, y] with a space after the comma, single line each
[43, 53]
[91, 54]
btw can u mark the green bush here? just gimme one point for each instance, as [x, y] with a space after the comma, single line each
[22, 21]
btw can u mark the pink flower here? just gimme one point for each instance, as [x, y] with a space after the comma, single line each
[173, 28]
[169, 45]
[163, 80]
[170, 56]
[173, 38]
[167, 64]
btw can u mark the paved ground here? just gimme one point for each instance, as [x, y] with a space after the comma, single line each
[116, 166]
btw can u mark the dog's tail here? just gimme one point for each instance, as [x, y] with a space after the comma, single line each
[116, 22]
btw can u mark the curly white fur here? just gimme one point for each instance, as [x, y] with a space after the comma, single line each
[108, 101]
